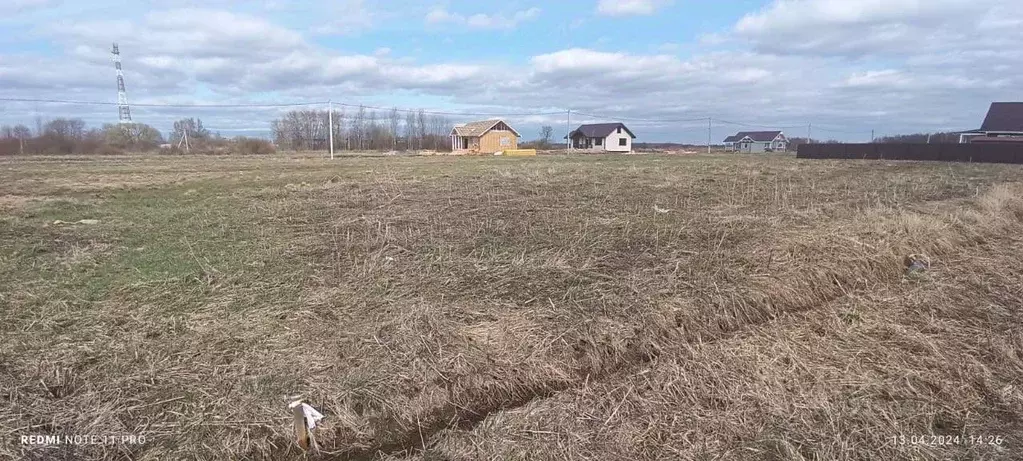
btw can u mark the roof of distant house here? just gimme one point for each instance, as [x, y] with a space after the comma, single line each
[479, 128]
[1004, 117]
[756, 136]
[600, 130]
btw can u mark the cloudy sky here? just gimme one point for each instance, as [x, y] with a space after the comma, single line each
[845, 66]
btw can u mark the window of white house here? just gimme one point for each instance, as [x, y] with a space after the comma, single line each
[623, 142]
[600, 141]
[619, 130]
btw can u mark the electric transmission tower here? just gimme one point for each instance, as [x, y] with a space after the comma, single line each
[123, 113]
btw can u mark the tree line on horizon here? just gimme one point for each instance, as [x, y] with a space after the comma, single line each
[71, 136]
[298, 130]
[361, 130]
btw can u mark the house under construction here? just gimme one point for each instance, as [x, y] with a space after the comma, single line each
[484, 137]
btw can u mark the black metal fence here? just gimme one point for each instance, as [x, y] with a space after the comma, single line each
[980, 153]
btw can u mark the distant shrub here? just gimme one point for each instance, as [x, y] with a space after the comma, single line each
[9, 147]
[253, 146]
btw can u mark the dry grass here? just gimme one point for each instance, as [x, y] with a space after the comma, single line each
[597, 307]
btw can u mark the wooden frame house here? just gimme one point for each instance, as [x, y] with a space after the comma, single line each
[484, 137]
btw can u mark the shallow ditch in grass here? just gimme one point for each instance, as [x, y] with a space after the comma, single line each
[805, 282]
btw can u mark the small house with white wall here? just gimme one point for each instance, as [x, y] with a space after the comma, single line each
[757, 141]
[602, 137]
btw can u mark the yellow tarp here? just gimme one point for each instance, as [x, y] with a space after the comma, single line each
[520, 152]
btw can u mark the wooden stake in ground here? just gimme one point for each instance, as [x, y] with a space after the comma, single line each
[305, 418]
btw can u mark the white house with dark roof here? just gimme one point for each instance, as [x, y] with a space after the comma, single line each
[602, 137]
[757, 141]
[1003, 123]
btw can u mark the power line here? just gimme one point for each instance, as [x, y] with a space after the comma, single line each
[273, 105]
[826, 130]
[632, 119]
[435, 112]
[104, 103]
[429, 112]
[752, 125]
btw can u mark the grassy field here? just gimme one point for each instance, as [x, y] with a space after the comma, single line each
[597, 307]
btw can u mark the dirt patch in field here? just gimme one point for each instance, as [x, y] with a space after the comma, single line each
[18, 202]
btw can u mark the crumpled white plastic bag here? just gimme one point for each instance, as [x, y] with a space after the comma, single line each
[311, 415]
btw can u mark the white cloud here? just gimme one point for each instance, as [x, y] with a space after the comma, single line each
[878, 78]
[878, 27]
[892, 79]
[20, 6]
[224, 51]
[585, 60]
[502, 21]
[184, 32]
[788, 15]
[440, 15]
[629, 7]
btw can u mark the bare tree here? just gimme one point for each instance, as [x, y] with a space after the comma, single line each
[546, 132]
[339, 125]
[410, 129]
[393, 121]
[278, 133]
[193, 127]
[133, 136]
[359, 127]
[307, 129]
[421, 126]
[294, 130]
[64, 136]
[312, 122]
[437, 125]
[372, 131]
[66, 128]
[22, 133]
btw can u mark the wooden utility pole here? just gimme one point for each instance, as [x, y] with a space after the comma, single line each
[710, 124]
[184, 140]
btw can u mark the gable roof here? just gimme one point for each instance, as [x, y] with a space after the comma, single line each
[756, 136]
[600, 130]
[480, 128]
[1004, 116]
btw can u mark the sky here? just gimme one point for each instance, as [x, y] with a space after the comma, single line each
[839, 69]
